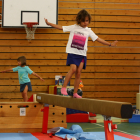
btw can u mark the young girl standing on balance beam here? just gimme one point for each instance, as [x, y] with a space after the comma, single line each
[77, 47]
[23, 70]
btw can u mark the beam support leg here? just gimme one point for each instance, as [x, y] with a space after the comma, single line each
[108, 127]
[45, 118]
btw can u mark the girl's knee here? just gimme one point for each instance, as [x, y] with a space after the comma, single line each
[24, 93]
[78, 74]
[73, 69]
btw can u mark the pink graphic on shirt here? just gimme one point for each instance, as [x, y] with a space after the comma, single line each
[78, 41]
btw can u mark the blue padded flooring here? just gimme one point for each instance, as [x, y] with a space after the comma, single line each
[17, 136]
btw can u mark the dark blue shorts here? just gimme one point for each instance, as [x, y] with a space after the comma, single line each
[76, 59]
[22, 86]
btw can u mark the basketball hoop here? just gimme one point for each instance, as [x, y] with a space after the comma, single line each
[30, 28]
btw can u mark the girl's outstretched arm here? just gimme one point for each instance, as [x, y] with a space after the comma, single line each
[53, 25]
[37, 76]
[7, 70]
[106, 43]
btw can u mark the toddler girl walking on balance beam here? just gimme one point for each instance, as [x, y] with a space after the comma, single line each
[23, 70]
[77, 47]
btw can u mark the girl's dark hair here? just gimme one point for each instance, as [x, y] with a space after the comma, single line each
[82, 15]
[22, 59]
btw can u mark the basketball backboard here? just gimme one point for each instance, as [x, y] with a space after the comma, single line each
[15, 12]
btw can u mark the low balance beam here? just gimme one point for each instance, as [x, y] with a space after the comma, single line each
[107, 108]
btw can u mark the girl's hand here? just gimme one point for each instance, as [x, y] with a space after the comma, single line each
[46, 21]
[113, 44]
[41, 79]
[53, 25]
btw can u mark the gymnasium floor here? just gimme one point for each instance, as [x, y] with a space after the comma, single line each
[125, 131]
[128, 128]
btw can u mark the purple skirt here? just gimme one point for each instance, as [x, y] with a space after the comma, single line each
[76, 59]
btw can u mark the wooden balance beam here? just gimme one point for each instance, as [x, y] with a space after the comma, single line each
[107, 108]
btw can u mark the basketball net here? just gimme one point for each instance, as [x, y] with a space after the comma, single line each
[30, 32]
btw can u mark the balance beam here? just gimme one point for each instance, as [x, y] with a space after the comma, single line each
[107, 108]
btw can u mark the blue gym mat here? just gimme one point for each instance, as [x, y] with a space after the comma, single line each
[91, 136]
[77, 133]
[17, 136]
[74, 132]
